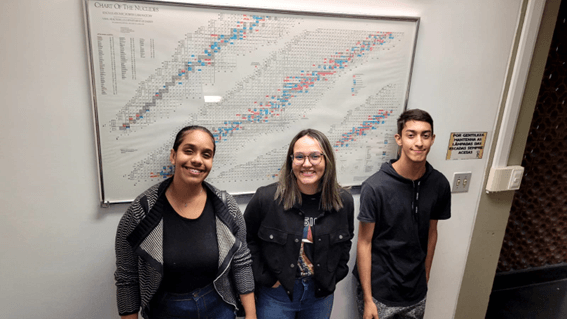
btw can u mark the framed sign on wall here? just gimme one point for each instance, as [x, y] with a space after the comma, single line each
[254, 77]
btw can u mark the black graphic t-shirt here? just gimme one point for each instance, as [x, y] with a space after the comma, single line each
[310, 208]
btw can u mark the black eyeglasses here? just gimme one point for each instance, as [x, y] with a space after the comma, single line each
[314, 158]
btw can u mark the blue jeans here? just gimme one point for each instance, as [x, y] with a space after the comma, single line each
[202, 303]
[275, 303]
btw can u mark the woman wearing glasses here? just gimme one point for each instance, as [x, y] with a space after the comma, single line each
[299, 232]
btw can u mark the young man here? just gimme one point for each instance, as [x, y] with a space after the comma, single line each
[399, 209]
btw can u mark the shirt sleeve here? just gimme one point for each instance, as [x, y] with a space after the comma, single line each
[443, 207]
[369, 203]
[126, 274]
[242, 263]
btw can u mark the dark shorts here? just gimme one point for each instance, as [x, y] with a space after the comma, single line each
[415, 311]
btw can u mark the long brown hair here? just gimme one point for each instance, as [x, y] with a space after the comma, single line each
[288, 192]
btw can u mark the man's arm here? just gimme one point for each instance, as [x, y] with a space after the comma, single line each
[431, 243]
[364, 262]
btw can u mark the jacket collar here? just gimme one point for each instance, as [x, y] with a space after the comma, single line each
[151, 223]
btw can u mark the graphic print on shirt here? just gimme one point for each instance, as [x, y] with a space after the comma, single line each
[306, 252]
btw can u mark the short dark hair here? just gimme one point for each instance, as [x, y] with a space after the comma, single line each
[288, 192]
[181, 134]
[414, 115]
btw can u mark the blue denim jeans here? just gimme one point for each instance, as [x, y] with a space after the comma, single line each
[202, 303]
[275, 303]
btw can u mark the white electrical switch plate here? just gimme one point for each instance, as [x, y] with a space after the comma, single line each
[461, 182]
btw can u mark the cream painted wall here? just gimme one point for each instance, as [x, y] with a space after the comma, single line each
[56, 249]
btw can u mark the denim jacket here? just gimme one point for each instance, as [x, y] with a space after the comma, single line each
[274, 238]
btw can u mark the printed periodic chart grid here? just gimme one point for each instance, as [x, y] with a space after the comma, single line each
[254, 77]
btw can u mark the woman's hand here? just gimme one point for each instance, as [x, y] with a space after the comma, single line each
[249, 305]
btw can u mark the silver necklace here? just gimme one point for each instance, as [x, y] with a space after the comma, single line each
[186, 203]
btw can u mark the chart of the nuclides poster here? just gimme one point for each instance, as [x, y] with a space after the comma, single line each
[254, 77]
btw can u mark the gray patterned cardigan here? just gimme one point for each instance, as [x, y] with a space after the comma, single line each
[139, 253]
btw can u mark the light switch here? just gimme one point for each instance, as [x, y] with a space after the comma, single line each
[461, 182]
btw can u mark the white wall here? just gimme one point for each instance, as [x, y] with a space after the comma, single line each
[56, 249]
